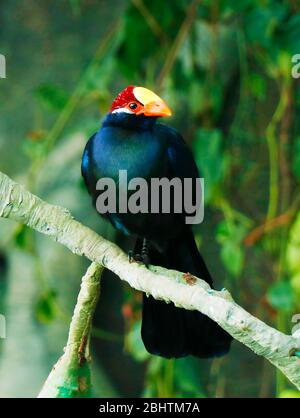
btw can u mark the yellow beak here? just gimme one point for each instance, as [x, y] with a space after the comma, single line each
[153, 104]
[157, 108]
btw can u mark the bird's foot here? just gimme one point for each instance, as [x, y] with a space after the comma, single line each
[138, 258]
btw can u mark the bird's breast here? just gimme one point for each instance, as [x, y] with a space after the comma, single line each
[141, 154]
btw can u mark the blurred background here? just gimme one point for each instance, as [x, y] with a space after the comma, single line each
[224, 67]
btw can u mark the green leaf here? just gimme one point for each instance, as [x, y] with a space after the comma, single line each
[232, 256]
[134, 343]
[34, 149]
[216, 50]
[289, 393]
[46, 307]
[24, 237]
[295, 282]
[76, 7]
[281, 296]
[290, 35]
[261, 24]
[232, 231]
[293, 248]
[187, 379]
[257, 85]
[52, 96]
[230, 236]
[197, 97]
[210, 159]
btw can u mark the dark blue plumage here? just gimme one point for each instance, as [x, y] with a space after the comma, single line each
[146, 149]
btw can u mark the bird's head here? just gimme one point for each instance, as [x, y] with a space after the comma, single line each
[139, 101]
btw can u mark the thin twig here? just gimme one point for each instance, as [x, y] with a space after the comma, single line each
[183, 32]
[284, 219]
[150, 19]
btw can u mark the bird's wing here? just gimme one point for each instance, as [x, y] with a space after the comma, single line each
[181, 164]
[180, 157]
[86, 171]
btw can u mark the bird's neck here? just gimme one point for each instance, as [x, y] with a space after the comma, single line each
[128, 121]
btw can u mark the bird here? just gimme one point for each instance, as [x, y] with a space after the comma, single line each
[131, 139]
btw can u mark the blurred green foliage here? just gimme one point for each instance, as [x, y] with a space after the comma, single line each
[224, 67]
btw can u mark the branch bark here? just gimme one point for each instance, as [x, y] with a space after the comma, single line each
[280, 349]
[70, 377]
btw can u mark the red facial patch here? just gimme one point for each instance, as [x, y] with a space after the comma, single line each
[124, 98]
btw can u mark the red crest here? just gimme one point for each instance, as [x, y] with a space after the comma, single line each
[123, 98]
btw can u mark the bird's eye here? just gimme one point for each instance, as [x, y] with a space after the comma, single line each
[132, 105]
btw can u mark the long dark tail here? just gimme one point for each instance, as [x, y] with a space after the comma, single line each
[170, 332]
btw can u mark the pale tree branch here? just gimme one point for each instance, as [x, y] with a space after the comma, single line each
[70, 377]
[280, 349]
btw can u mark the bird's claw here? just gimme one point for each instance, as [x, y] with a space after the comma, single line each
[134, 258]
[138, 258]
